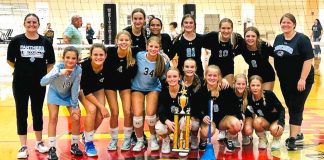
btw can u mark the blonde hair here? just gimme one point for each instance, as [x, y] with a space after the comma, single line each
[245, 93]
[160, 64]
[218, 71]
[129, 55]
[256, 77]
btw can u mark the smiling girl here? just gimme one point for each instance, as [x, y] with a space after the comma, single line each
[64, 80]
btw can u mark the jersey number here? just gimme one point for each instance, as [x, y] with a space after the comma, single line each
[147, 72]
[223, 53]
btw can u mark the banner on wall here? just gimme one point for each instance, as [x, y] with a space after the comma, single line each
[189, 9]
[110, 23]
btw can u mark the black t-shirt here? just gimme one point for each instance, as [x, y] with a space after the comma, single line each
[225, 104]
[91, 81]
[268, 107]
[117, 75]
[222, 53]
[289, 57]
[317, 29]
[167, 105]
[138, 41]
[258, 60]
[188, 49]
[30, 56]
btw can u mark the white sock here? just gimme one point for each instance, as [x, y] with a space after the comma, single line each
[114, 133]
[51, 141]
[128, 132]
[74, 139]
[140, 138]
[89, 136]
[261, 134]
[152, 136]
[37, 142]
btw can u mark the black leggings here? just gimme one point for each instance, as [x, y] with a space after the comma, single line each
[22, 90]
[295, 102]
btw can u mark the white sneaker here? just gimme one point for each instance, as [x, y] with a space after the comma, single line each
[263, 143]
[23, 152]
[154, 144]
[236, 142]
[41, 148]
[194, 142]
[166, 145]
[246, 140]
[138, 146]
[221, 135]
[275, 145]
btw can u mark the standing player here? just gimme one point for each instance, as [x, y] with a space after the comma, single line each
[120, 67]
[64, 80]
[316, 36]
[145, 88]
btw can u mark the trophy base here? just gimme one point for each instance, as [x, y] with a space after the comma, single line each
[181, 150]
[183, 154]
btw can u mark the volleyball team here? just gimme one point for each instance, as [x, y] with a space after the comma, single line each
[148, 72]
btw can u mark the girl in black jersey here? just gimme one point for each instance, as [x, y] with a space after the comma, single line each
[269, 113]
[92, 95]
[155, 28]
[167, 104]
[31, 56]
[120, 69]
[137, 30]
[223, 45]
[241, 92]
[256, 54]
[226, 113]
[293, 63]
[191, 80]
[188, 44]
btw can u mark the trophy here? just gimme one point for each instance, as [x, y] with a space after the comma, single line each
[181, 138]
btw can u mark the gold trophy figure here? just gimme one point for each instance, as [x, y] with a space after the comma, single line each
[181, 137]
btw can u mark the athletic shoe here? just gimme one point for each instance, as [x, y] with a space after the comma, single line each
[236, 142]
[154, 144]
[133, 139]
[52, 154]
[229, 146]
[90, 149]
[194, 142]
[202, 144]
[300, 138]
[126, 144]
[275, 145]
[113, 145]
[166, 145]
[291, 144]
[138, 146]
[41, 148]
[221, 135]
[263, 143]
[75, 150]
[246, 140]
[23, 152]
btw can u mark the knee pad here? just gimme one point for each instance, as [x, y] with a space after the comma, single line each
[195, 125]
[138, 121]
[161, 129]
[151, 120]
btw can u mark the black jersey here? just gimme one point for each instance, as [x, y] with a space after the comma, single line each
[91, 81]
[117, 75]
[258, 62]
[167, 105]
[289, 57]
[268, 107]
[188, 49]
[30, 56]
[137, 41]
[222, 53]
[225, 104]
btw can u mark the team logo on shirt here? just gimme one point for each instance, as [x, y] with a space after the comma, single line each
[250, 108]
[120, 69]
[280, 49]
[101, 79]
[32, 52]
[173, 109]
[260, 113]
[216, 108]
